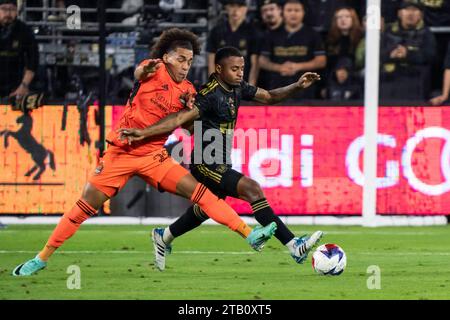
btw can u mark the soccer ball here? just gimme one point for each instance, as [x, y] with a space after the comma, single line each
[329, 259]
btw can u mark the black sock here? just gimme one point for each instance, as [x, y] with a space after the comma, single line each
[191, 219]
[265, 215]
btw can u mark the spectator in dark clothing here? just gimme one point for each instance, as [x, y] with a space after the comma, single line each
[439, 100]
[292, 50]
[389, 9]
[271, 19]
[342, 86]
[344, 36]
[407, 52]
[235, 31]
[437, 12]
[19, 56]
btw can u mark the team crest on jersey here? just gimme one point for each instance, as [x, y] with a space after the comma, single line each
[232, 107]
[435, 4]
[221, 168]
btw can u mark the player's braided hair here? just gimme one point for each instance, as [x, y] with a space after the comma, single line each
[175, 38]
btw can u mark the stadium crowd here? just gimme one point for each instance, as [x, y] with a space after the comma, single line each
[328, 37]
[281, 39]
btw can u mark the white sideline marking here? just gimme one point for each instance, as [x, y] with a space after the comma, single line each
[326, 232]
[289, 220]
[438, 253]
[130, 251]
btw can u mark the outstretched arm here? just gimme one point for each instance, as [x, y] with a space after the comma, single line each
[163, 126]
[280, 94]
[143, 72]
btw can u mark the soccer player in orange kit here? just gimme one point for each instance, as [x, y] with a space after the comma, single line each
[216, 107]
[162, 89]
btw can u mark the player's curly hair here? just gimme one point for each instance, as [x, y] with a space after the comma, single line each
[175, 38]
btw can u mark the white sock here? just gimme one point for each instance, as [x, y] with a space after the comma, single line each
[290, 246]
[167, 236]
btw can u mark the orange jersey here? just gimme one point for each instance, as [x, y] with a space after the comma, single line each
[150, 101]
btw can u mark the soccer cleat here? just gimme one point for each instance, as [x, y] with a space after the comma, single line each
[29, 267]
[303, 245]
[161, 248]
[259, 236]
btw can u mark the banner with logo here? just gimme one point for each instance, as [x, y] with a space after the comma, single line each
[44, 163]
[315, 165]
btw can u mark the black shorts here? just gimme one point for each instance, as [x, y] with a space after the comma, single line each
[221, 179]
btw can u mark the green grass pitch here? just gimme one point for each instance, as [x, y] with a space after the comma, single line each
[212, 263]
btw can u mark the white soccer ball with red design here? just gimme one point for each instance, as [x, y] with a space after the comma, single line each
[329, 259]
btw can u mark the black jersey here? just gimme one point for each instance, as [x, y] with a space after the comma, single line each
[264, 77]
[281, 46]
[218, 107]
[244, 38]
[437, 12]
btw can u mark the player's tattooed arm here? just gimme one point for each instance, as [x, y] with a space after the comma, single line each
[280, 94]
[145, 72]
[163, 126]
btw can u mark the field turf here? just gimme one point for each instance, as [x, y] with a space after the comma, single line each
[211, 262]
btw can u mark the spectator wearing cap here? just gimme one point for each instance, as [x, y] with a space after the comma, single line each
[439, 100]
[344, 36]
[342, 86]
[407, 51]
[292, 50]
[271, 19]
[437, 12]
[19, 56]
[235, 31]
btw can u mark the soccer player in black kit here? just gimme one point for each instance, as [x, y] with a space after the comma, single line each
[216, 106]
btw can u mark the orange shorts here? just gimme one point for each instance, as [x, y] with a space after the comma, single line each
[117, 166]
